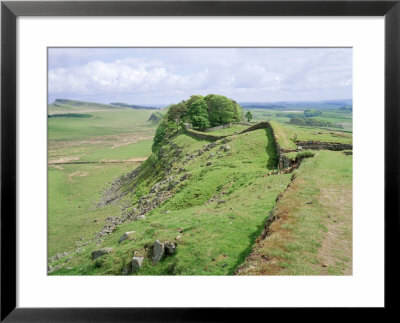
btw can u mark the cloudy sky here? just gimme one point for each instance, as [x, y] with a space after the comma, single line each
[166, 75]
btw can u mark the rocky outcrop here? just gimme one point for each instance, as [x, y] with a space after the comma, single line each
[158, 251]
[136, 263]
[101, 252]
[169, 248]
[126, 236]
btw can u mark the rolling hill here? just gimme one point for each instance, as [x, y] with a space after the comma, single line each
[221, 203]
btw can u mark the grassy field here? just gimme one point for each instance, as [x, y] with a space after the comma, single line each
[313, 231]
[219, 197]
[85, 155]
[345, 119]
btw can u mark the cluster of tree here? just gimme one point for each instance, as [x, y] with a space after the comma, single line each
[201, 111]
[312, 122]
[287, 115]
[311, 113]
[347, 108]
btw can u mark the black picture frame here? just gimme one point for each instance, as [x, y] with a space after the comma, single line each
[10, 10]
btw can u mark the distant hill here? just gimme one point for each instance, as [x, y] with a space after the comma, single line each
[156, 117]
[76, 103]
[66, 105]
[298, 105]
[132, 106]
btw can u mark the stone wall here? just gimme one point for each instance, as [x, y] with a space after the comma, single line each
[223, 126]
[203, 135]
[318, 145]
[260, 125]
[283, 161]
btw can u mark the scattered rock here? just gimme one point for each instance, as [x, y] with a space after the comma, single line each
[227, 148]
[309, 202]
[126, 270]
[180, 230]
[221, 202]
[125, 236]
[209, 163]
[68, 259]
[184, 177]
[158, 251]
[98, 253]
[136, 263]
[178, 237]
[170, 248]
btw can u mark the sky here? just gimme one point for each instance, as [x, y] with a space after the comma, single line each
[161, 76]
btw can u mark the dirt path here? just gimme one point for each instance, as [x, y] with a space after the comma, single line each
[335, 253]
[311, 228]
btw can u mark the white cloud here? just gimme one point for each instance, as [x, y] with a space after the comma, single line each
[169, 75]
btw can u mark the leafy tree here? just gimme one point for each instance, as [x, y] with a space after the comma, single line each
[249, 116]
[312, 113]
[312, 122]
[192, 99]
[221, 110]
[197, 112]
[177, 112]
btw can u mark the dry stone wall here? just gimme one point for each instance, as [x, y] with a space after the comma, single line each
[318, 145]
[223, 126]
[204, 136]
[283, 161]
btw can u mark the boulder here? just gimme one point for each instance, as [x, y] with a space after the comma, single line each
[136, 263]
[98, 253]
[158, 251]
[170, 248]
[125, 236]
[227, 148]
[209, 163]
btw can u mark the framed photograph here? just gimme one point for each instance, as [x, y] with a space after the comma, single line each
[172, 160]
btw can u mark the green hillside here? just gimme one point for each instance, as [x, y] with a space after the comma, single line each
[206, 215]
[219, 202]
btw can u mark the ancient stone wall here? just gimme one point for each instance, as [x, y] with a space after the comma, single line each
[223, 126]
[203, 135]
[318, 145]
